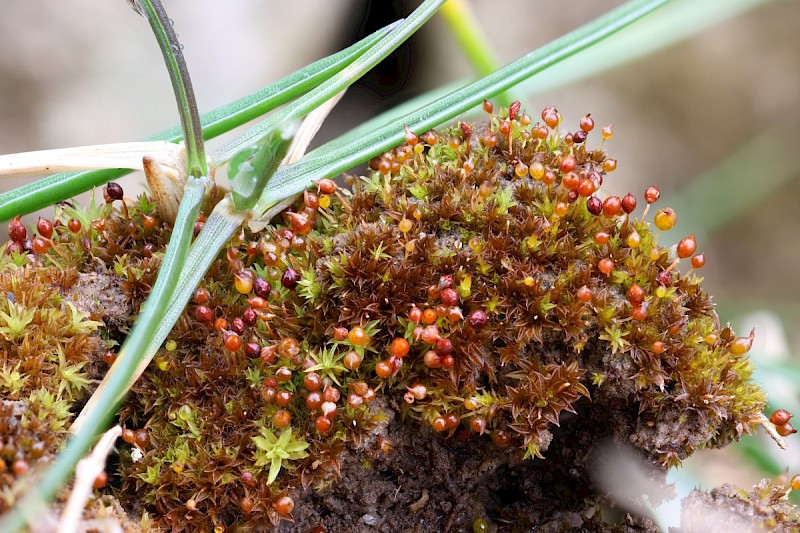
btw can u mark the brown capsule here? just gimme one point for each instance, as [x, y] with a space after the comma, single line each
[513, 110]
[45, 228]
[652, 194]
[16, 230]
[39, 245]
[203, 314]
[587, 123]
[784, 430]
[635, 294]
[665, 218]
[579, 136]
[612, 206]
[128, 436]
[112, 191]
[629, 203]
[101, 480]
[742, 345]
[686, 247]
[594, 205]
[699, 261]
[780, 417]
[326, 186]
[142, 438]
[290, 278]
[551, 117]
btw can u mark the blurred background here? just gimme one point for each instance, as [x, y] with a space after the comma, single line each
[712, 118]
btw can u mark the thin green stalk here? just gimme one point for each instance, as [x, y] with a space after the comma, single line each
[143, 331]
[138, 340]
[475, 45]
[326, 162]
[335, 84]
[58, 187]
[172, 51]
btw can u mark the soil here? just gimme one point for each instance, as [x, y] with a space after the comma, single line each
[427, 482]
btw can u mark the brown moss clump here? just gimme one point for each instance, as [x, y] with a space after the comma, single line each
[473, 282]
[764, 508]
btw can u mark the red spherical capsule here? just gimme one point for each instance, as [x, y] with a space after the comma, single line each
[430, 334]
[664, 278]
[399, 347]
[415, 315]
[686, 247]
[261, 288]
[652, 194]
[142, 438]
[431, 359]
[628, 203]
[283, 398]
[352, 360]
[586, 187]
[439, 424]
[568, 164]
[101, 480]
[312, 382]
[383, 369]
[635, 294]
[201, 296]
[448, 362]
[477, 319]
[39, 245]
[612, 206]
[16, 230]
[203, 314]
[326, 186]
[444, 347]
[323, 424]
[639, 312]
[587, 123]
[504, 128]
[128, 436]
[699, 261]
[584, 294]
[606, 265]
[74, 225]
[290, 278]
[572, 196]
[579, 136]
[282, 419]
[331, 394]
[314, 400]
[780, 417]
[478, 425]
[238, 325]
[285, 505]
[299, 223]
[252, 350]
[232, 341]
[594, 205]
[452, 420]
[45, 228]
[20, 467]
[449, 297]
[311, 200]
[601, 238]
[785, 430]
[551, 117]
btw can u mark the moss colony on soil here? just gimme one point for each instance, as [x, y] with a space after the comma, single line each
[438, 347]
